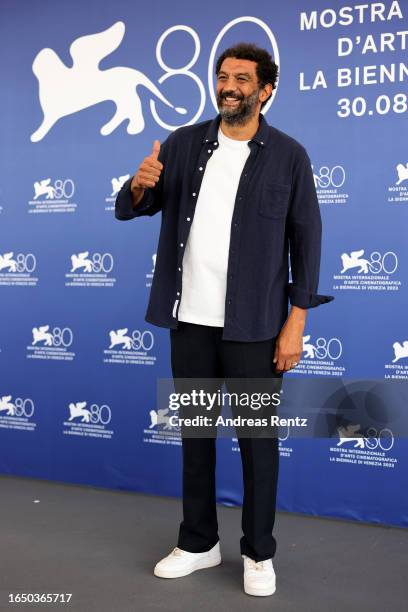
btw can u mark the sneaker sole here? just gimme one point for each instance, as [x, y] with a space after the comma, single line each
[257, 592]
[197, 566]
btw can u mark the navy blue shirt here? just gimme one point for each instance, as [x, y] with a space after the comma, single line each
[276, 212]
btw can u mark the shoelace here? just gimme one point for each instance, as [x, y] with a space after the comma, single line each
[256, 565]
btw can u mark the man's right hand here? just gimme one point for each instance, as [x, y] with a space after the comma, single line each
[147, 175]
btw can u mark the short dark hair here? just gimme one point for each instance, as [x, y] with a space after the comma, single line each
[266, 69]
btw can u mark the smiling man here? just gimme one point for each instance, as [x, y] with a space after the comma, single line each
[237, 198]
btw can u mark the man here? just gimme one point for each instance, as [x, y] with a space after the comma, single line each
[236, 195]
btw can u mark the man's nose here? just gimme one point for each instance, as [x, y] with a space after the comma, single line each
[228, 91]
[230, 84]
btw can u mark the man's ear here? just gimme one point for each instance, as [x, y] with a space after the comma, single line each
[266, 92]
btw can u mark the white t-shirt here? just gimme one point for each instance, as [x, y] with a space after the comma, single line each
[205, 260]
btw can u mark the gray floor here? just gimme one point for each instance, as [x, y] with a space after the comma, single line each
[102, 545]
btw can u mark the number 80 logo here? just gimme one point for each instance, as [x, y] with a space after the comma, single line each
[185, 70]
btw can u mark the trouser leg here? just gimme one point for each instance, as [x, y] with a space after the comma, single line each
[244, 361]
[194, 356]
[198, 530]
[260, 465]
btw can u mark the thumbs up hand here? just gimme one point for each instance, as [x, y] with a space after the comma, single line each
[149, 171]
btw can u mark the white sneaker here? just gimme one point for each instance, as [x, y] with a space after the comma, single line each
[181, 562]
[259, 577]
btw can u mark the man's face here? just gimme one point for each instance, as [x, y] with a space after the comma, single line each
[237, 90]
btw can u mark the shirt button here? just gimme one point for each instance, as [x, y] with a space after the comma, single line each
[194, 194]
[181, 244]
[179, 269]
[215, 144]
[261, 142]
[200, 168]
[178, 292]
[209, 150]
[188, 218]
[229, 301]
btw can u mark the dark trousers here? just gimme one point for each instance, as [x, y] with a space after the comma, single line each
[197, 351]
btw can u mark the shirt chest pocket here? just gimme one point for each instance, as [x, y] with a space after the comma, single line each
[274, 200]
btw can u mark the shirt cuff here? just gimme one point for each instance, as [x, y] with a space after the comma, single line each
[306, 299]
[124, 202]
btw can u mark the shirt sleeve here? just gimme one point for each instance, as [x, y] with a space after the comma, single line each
[305, 234]
[152, 200]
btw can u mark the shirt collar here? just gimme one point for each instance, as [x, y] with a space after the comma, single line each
[261, 137]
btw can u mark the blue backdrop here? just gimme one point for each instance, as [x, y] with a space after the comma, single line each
[87, 88]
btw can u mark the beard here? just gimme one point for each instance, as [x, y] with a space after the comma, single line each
[242, 112]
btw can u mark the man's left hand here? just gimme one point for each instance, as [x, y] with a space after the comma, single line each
[289, 343]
